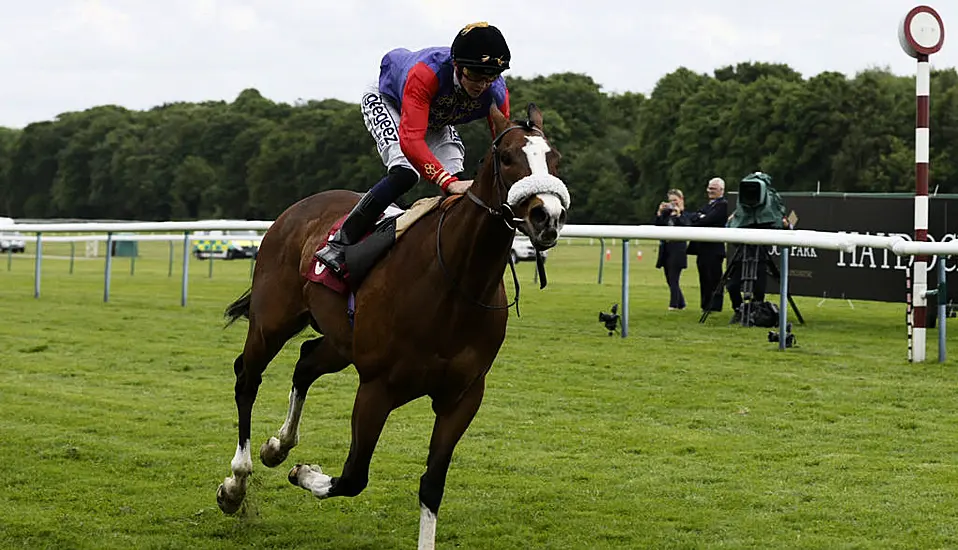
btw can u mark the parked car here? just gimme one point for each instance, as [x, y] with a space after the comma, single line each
[226, 245]
[12, 241]
[522, 249]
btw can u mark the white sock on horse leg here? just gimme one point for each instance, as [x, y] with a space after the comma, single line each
[427, 528]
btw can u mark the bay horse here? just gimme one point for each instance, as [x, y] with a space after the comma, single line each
[429, 318]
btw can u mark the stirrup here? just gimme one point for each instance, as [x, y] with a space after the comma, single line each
[337, 264]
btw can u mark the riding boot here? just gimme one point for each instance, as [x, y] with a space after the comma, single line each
[357, 224]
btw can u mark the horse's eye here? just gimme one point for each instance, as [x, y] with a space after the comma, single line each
[506, 158]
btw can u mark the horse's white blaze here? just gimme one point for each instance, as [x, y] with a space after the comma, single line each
[427, 528]
[536, 151]
[540, 182]
[289, 432]
[551, 203]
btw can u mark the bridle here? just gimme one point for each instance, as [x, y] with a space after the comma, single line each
[504, 212]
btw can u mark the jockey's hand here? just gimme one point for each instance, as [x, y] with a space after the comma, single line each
[459, 187]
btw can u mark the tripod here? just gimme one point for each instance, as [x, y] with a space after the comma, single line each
[748, 255]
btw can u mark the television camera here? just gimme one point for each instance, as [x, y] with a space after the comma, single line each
[759, 206]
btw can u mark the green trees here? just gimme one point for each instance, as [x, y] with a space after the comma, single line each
[252, 157]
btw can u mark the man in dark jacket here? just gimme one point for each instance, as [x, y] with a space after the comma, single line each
[710, 256]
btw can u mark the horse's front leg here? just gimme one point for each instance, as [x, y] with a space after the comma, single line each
[451, 422]
[370, 411]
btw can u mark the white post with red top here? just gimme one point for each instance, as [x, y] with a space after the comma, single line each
[920, 34]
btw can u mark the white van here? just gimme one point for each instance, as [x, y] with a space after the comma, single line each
[12, 241]
[522, 249]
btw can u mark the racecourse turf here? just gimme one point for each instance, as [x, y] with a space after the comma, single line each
[117, 423]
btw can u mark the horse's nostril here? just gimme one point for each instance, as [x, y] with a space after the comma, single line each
[550, 235]
[562, 217]
[538, 215]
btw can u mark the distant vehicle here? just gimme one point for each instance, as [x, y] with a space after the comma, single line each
[12, 241]
[226, 245]
[522, 249]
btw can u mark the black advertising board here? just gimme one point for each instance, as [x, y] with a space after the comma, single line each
[867, 273]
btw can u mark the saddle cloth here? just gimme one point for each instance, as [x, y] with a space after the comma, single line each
[362, 256]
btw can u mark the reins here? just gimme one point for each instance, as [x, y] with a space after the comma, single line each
[503, 212]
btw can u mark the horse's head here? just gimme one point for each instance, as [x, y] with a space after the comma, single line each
[525, 163]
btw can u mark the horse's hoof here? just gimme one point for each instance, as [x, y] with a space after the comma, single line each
[227, 505]
[311, 478]
[294, 475]
[271, 454]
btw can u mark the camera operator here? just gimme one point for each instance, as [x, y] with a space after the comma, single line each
[758, 206]
[710, 256]
[672, 254]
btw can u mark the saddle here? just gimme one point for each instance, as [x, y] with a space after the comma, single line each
[363, 256]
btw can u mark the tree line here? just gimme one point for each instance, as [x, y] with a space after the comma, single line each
[252, 157]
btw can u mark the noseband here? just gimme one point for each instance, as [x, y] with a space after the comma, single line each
[503, 212]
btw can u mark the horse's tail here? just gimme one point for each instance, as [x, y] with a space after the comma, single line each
[239, 308]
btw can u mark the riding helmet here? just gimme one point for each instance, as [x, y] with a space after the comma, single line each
[482, 48]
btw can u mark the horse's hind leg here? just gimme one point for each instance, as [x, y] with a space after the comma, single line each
[316, 358]
[451, 423]
[370, 411]
[261, 347]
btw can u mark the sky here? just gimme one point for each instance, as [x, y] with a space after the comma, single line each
[69, 55]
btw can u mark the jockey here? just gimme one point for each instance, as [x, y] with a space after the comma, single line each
[412, 114]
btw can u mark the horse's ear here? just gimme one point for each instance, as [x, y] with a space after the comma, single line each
[535, 115]
[499, 120]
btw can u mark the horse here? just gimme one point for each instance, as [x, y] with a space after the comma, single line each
[429, 318]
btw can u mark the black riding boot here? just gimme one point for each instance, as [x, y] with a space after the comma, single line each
[357, 224]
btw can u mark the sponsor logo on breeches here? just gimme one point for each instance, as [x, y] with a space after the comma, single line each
[380, 119]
